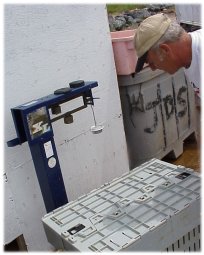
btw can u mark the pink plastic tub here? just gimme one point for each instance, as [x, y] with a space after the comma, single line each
[124, 51]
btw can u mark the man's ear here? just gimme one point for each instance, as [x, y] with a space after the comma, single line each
[165, 49]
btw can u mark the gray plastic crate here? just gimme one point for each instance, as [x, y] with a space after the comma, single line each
[158, 114]
[149, 209]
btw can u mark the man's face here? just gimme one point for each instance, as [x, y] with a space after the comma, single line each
[156, 59]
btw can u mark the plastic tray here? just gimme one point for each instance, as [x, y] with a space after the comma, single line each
[149, 208]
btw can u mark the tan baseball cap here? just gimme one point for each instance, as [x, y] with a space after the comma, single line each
[147, 34]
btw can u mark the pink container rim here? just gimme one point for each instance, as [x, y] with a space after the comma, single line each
[124, 35]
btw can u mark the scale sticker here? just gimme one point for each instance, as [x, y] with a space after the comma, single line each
[48, 149]
[52, 162]
[38, 122]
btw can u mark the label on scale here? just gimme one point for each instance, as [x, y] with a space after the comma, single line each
[48, 149]
[52, 162]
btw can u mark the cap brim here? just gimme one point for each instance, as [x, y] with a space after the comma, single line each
[140, 63]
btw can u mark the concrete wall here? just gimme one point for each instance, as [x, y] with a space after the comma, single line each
[189, 13]
[46, 47]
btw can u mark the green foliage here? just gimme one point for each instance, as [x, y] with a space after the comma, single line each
[117, 8]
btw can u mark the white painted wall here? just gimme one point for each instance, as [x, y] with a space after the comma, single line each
[189, 13]
[46, 47]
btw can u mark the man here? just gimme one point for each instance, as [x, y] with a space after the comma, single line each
[163, 44]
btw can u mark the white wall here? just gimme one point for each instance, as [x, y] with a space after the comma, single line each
[189, 13]
[46, 47]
